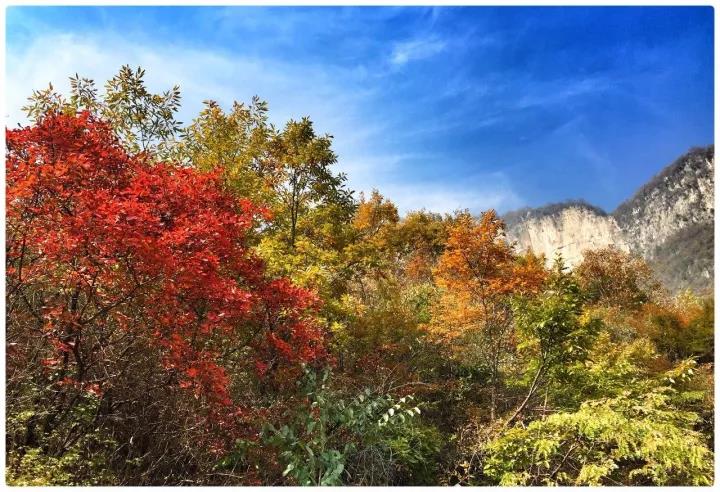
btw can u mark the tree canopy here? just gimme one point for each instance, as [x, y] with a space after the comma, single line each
[213, 305]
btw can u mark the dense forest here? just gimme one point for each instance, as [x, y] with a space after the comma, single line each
[210, 304]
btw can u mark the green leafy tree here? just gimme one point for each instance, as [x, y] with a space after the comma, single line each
[325, 432]
[304, 163]
[143, 121]
[553, 334]
[236, 143]
[634, 439]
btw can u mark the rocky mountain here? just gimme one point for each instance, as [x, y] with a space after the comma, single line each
[669, 221]
[569, 228]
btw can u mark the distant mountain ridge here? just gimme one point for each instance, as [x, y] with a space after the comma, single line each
[516, 216]
[669, 221]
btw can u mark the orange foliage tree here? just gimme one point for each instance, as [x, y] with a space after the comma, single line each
[479, 273]
[611, 277]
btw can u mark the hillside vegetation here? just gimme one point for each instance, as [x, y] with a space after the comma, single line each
[211, 305]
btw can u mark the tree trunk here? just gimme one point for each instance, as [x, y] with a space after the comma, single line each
[533, 388]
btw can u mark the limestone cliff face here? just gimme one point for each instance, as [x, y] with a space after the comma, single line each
[669, 222]
[570, 229]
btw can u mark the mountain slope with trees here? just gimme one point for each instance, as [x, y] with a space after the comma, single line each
[212, 305]
[669, 222]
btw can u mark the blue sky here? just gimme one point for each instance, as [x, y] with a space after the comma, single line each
[442, 108]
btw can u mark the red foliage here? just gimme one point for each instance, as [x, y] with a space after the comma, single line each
[156, 250]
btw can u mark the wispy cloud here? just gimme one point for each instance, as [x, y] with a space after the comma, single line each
[201, 74]
[336, 100]
[416, 99]
[476, 194]
[486, 103]
[559, 92]
[416, 49]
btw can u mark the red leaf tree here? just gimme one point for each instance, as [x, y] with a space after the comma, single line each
[107, 252]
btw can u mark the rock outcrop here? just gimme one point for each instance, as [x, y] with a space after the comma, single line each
[569, 228]
[669, 222]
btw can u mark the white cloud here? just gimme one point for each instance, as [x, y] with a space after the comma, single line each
[338, 100]
[416, 49]
[476, 193]
[201, 75]
[332, 97]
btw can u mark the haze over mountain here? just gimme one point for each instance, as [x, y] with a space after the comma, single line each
[669, 221]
